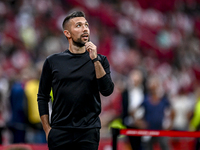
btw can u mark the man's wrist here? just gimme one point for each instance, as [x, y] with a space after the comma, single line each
[96, 59]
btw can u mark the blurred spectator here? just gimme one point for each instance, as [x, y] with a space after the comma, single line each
[2, 123]
[155, 108]
[17, 123]
[35, 132]
[132, 97]
[195, 120]
[3, 103]
[168, 37]
[183, 105]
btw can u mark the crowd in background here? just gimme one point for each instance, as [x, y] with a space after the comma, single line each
[159, 38]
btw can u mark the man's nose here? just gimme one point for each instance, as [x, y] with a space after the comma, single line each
[85, 28]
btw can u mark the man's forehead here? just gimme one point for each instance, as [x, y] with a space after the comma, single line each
[78, 19]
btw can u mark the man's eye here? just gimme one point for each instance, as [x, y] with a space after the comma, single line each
[87, 25]
[78, 25]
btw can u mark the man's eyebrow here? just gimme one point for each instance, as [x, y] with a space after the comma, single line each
[82, 22]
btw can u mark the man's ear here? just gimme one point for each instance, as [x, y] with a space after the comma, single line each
[67, 33]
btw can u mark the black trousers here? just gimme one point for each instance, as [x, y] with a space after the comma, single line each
[1, 129]
[135, 142]
[74, 139]
[197, 144]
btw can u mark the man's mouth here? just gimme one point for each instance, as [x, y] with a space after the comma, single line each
[85, 36]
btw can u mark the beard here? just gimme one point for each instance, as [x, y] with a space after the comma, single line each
[79, 42]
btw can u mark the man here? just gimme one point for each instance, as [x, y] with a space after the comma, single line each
[132, 98]
[76, 77]
[156, 113]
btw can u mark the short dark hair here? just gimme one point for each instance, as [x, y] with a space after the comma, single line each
[72, 15]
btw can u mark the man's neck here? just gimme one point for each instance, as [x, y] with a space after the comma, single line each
[76, 50]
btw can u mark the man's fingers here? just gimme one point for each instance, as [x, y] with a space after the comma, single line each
[89, 44]
[88, 47]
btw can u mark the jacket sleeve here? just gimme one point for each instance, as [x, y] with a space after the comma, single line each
[43, 95]
[105, 84]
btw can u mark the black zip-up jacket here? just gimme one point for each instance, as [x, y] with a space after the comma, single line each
[76, 90]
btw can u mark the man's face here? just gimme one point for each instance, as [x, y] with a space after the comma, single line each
[153, 84]
[79, 30]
